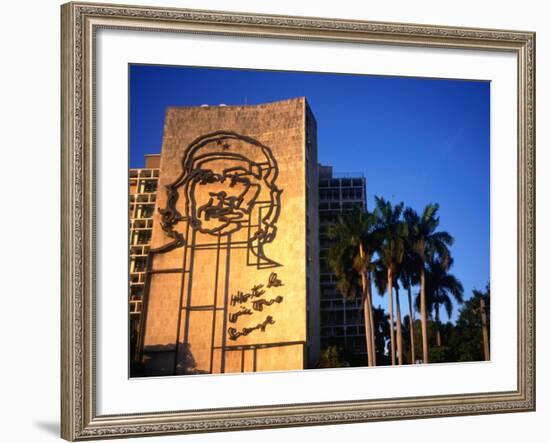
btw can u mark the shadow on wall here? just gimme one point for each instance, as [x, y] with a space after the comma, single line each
[159, 360]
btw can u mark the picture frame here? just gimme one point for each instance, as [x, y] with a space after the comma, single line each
[81, 22]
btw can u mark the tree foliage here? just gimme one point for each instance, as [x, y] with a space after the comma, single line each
[332, 357]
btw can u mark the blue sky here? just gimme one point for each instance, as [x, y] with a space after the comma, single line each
[416, 140]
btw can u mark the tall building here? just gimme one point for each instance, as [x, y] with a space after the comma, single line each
[342, 322]
[230, 279]
[143, 183]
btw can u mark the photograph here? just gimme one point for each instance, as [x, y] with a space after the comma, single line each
[289, 220]
[274, 220]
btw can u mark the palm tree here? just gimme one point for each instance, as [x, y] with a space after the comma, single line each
[393, 231]
[483, 300]
[350, 258]
[408, 278]
[380, 276]
[440, 287]
[427, 243]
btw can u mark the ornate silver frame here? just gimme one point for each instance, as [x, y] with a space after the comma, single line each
[79, 420]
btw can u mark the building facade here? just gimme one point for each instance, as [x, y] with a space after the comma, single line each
[230, 279]
[143, 184]
[342, 321]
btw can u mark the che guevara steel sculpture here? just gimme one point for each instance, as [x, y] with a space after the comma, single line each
[232, 187]
[226, 191]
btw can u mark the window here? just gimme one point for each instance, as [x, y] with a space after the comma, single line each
[146, 211]
[140, 264]
[149, 185]
[143, 237]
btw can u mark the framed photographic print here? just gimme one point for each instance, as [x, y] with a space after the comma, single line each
[283, 221]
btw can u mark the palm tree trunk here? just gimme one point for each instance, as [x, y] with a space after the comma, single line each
[367, 313]
[399, 330]
[484, 329]
[368, 340]
[423, 316]
[437, 326]
[368, 325]
[411, 326]
[392, 335]
[371, 315]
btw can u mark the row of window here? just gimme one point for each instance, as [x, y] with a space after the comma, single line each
[337, 318]
[340, 331]
[341, 194]
[354, 344]
[340, 182]
[143, 198]
[136, 250]
[339, 304]
[140, 237]
[144, 173]
[143, 185]
[143, 210]
[141, 223]
[338, 206]
[328, 278]
[137, 279]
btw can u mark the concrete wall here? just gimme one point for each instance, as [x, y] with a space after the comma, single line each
[152, 161]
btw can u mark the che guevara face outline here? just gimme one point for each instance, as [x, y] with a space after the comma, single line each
[223, 186]
[222, 198]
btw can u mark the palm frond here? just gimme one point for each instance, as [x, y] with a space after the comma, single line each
[352, 248]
